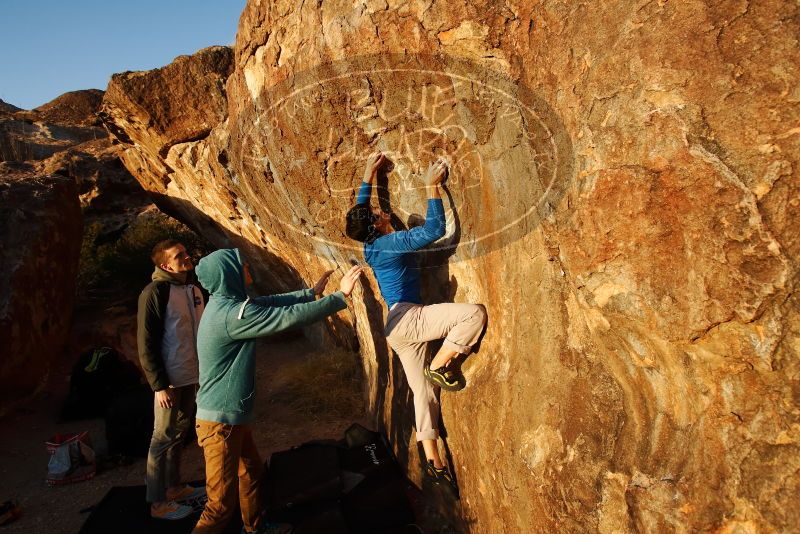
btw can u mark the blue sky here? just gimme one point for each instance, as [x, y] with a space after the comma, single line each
[49, 47]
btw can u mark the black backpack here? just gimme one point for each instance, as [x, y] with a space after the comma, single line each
[129, 422]
[97, 378]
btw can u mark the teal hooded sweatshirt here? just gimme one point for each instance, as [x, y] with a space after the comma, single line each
[229, 327]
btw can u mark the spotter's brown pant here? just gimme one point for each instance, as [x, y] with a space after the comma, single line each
[232, 460]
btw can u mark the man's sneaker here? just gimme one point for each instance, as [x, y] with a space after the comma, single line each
[187, 493]
[441, 476]
[170, 510]
[268, 527]
[447, 379]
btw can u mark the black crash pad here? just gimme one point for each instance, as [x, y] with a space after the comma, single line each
[124, 511]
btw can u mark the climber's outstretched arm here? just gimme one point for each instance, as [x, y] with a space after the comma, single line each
[374, 162]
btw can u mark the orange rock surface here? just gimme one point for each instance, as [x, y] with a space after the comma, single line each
[623, 197]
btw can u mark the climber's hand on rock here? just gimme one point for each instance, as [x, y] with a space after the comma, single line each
[349, 279]
[436, 173]
[319, 287]
[374, 163]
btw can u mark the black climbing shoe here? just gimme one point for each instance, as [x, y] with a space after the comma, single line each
[442, 476]
[445, 378]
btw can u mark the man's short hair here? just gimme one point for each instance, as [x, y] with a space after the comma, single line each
[157, 255]
[360, 222]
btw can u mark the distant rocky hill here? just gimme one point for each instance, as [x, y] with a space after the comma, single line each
[67, 121]
[6, 108]
[75, 108]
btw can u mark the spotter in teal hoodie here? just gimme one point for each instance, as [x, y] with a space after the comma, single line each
[230, 325]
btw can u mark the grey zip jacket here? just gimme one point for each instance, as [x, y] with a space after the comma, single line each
[167, 321]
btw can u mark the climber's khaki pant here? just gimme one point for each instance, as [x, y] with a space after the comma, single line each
[410, 328]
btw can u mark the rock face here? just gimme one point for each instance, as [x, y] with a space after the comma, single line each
[40, 232]
[65, 137]
[57, 167]
[163, 112]
[623, 197]
[108, 194]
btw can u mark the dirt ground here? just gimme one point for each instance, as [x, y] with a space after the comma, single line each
[23, 457]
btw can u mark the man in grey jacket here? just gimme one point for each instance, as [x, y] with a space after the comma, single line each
[170, 308]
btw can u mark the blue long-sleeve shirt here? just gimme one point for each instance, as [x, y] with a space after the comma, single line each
[392, 256]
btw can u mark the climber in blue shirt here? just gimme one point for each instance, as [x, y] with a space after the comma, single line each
[410, 325]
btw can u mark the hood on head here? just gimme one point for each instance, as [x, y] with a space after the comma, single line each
[221, 273]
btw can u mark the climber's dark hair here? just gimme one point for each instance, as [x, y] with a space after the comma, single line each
[361, 223]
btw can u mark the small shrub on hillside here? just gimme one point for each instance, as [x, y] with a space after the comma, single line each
[119, 269]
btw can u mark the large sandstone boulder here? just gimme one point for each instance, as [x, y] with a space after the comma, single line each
[40, 240]
[165, 120]
[624, 199]
[163, 111]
